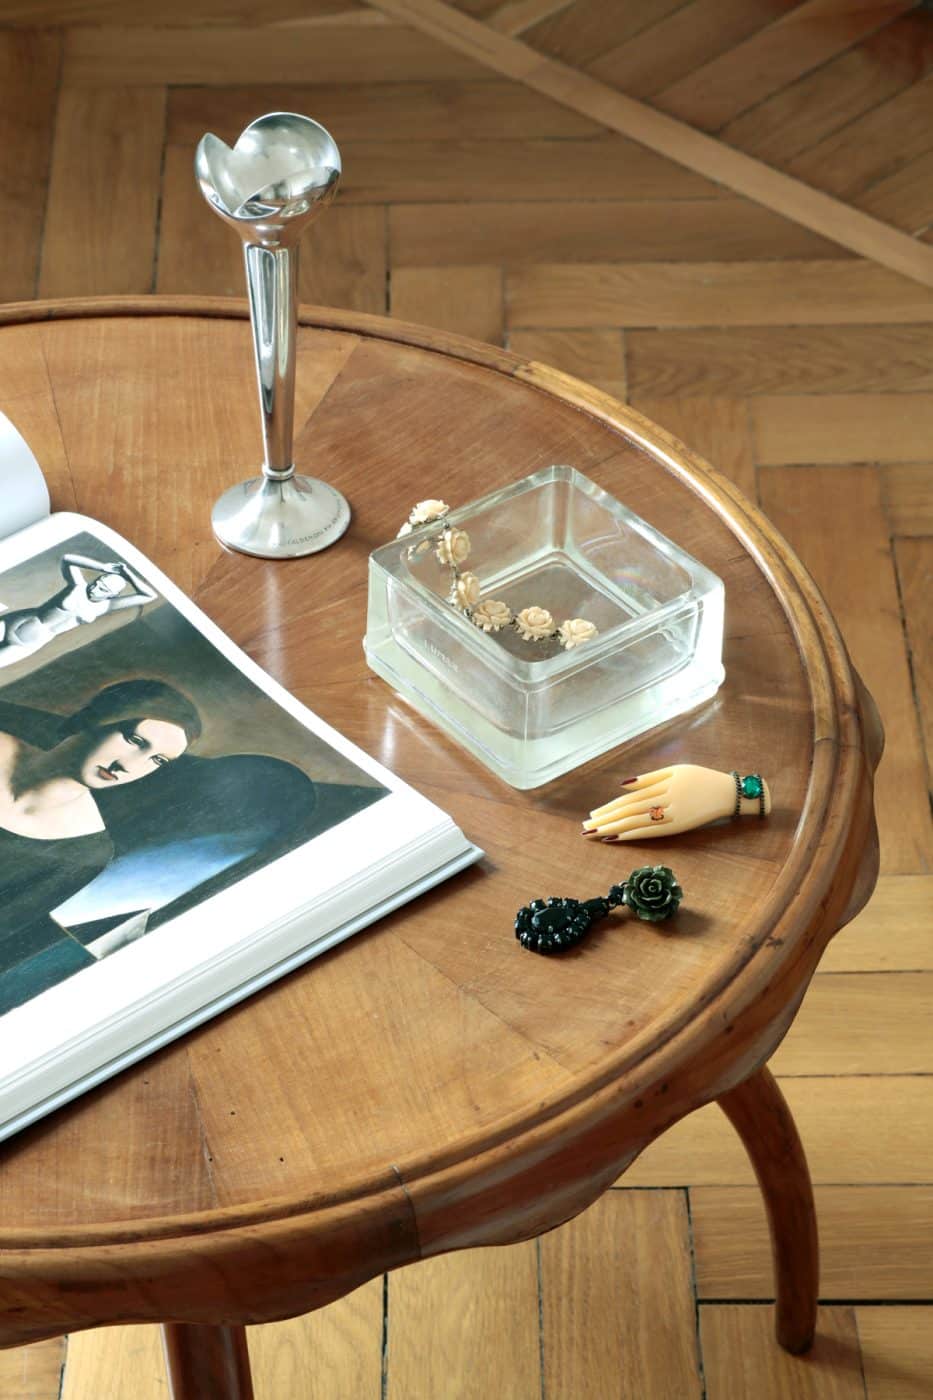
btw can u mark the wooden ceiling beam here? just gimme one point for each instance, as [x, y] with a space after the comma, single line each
[848, 227]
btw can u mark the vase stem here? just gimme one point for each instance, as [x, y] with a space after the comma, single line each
[272, 281]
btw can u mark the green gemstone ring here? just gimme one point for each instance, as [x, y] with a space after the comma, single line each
[750, 786]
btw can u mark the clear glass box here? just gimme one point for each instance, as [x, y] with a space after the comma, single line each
[531, 710]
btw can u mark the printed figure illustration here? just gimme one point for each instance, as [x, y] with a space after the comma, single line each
[93, 858]
[25, 631]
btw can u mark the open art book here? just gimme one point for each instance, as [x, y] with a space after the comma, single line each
[176, 830]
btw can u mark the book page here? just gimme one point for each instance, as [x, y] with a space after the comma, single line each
[211, 826]
[24, 496]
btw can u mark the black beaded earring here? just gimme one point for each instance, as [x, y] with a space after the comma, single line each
[554, 925]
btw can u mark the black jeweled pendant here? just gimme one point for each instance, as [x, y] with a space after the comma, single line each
[554, 925]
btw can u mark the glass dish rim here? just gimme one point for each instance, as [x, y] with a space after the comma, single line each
[565, 662]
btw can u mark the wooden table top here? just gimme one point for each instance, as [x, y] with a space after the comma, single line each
[428, 1084]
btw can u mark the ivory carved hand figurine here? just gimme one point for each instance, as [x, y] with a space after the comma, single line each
[670, 800]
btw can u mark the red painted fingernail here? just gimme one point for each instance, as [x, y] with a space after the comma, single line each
[609, 840]
[629, 780]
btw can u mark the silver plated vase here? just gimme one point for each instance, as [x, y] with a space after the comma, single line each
[281, 173]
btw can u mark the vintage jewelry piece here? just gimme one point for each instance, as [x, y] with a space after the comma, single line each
[278, 177]
[670, 800]
[750, 786]
[554, 925]
[452, 548]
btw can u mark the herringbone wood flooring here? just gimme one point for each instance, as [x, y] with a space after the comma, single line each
[472, 202]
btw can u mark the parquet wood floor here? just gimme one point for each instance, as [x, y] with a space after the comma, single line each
[472, 202]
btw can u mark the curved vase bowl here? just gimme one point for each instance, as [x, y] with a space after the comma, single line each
[281, 172]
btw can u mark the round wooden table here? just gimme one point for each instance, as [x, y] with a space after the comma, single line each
[428, 1085]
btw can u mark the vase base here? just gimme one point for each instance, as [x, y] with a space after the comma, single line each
[280, 519]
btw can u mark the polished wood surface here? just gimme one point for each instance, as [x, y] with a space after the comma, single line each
[758, 1111]
[203, 1361]
[429, 1085]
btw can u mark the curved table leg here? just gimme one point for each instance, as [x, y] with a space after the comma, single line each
[206, 1361]
[758, 1112]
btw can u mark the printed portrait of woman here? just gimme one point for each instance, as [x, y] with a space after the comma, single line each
[170, 776]
[53, 836]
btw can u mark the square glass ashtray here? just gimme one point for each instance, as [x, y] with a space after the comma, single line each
[533, 710]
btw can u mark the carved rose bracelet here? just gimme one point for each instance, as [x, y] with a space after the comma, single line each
[452, 549]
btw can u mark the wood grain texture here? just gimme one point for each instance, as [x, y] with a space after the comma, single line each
[851, 160]
[99, 426]
[584, 30]
[672, 46]
[456, 110]
[774, 360]
[336, 1351]
[531, 170]
[171, 12]
[360, 17]
[842, 428]
[467, 1321]
[466, 300]
[875, 1242]
[594, 356]
[862, 585]
[714, 294]
[594, 230]
[33, 1373]
[808, 36]
[616, 1299]
[103, 192]
[482, 8]
[344, 260]
[738, 1358]
[485, 1101]
[857, 1131]
[29, 403]
[217, 426]
[862, 1023]
[668, 136]
[168, 1166]
[907, 488]
[914, 562]
[119, 1362]
[197, 253]
[718, 428]
[841, 91]
[897, 1352]
[328, 53]
[515, 16]
[891, 934]
[29, 69]
[903, 198]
